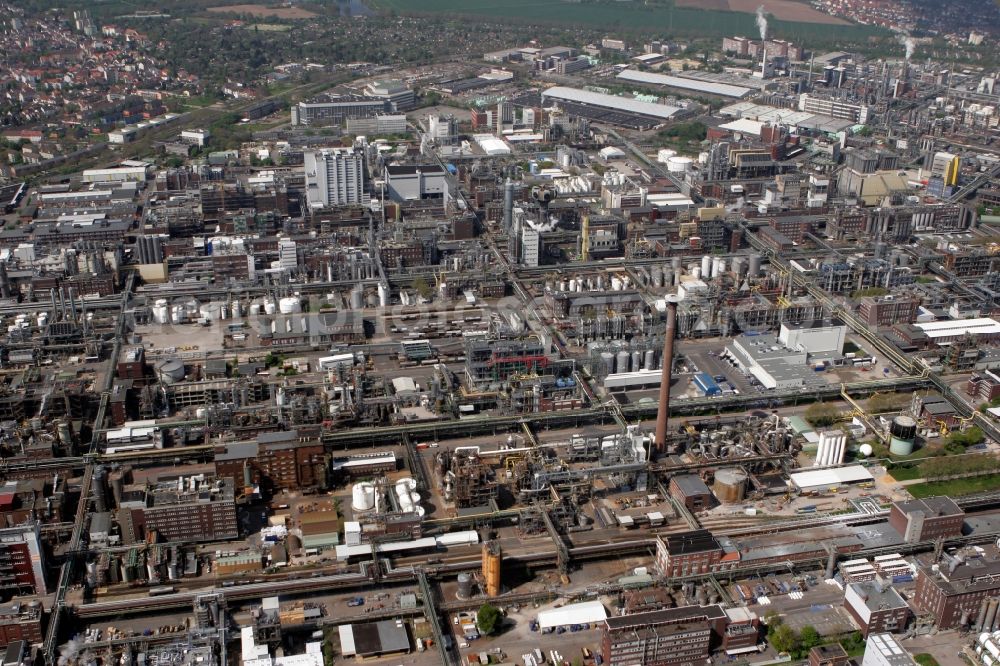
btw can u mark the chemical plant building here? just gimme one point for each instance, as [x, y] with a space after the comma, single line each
[331, 109]
[927, 519]
[955, 593]
[689, 85]
[22, 562]
[876, 607]
[687, 553]
[610, 109]
[684, 635]
[195, 508]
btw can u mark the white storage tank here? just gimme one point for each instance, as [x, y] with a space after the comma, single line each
[363, 496]
[269, 306]
[170, 370]
[211, 311]
[621, 361]
[703, 158]
[161, 311]
[289, 305]
[679, 164]
[706, 266]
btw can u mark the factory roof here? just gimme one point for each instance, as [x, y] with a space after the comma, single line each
[582, 613]
[789, 117]
[830, 477]
[661, 111]
[943, 329]
[237, 451]
[690, 484]
[374, 638]
[694, 541]
[878, 596]
[931, 506]
[684, 83]
[961, 578]
[890, 650]
[679, 614]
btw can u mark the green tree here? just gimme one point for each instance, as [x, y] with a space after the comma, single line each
[488, 619]
[821, 414]
[422, 287]
[784, 638]
[809, 638]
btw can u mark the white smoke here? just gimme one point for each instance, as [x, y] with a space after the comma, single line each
[908, 43]
[69, 652]
[762, 23]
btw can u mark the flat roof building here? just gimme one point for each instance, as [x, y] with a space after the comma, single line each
[927, 519]
[684, 635]
[686, 84]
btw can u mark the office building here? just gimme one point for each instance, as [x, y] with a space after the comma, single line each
[531, 247]
[947, 167]
[836, 108]
[888, 310]
[331, 109]
[335, 178]
[395, 93]
[22, 562]
[183, 508]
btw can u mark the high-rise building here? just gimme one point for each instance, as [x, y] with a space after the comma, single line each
[531, 247]
[184, 508]
[22, 563]
[947, 167]
[335, 178]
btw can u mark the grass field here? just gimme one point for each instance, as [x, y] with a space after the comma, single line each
[956, 487]
[629, 16]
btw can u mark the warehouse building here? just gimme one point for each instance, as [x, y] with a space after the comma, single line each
[374, 639]
[701, 87]
[771, 363]
[610, 109]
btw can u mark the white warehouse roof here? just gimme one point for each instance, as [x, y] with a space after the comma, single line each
[612, 102]
[822, 478]
[708, 87]
[945, 329]
[586, 612]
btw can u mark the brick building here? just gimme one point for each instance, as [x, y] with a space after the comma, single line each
[984, 385]
[179, 508]
[888, 310]
[687, 553]
[22, 562]
[21, 620]
[956, 590]
[691, 491]
[685, 635]
[876, 607]
[927, 519]
[276, 461]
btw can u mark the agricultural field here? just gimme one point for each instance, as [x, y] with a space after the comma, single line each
[263, 11]
[674, 20]
[783, 10]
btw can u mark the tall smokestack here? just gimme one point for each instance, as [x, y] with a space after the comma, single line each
[668, 361]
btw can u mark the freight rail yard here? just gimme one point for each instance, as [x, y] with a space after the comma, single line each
[489, 364]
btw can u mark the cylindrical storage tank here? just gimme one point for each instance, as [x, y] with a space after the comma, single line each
[679, 164]
[289, 305]
[754, 269]
[383, 295]
[656, 277]
[211, 311]
[200, 413]
[237, 310]
[904, 427]
[668, 277]
[900, 447]
[464, 586]
[357, 298]
[703, 158]
[721, 267]
[363, 497]
[706, 266]
[609, 362]
[170, 370]
[178, 314]
[650, 361]
[696, 272]
[739, 266]
[161, 312]
[730, 485]
[269, 306]
[675, 264]
[621, 361]
[254, 309]
[636, 361]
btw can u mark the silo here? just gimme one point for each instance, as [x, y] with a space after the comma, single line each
[492, 558]
[675, 264]
[464, 586]
[609, 362]
[754, 270]
[730, 485]
[706, 266]
[739, 266]
[636, 361]
[650, 361]
[363, 496]
[903, 432]
[668, 278]
[621, 362]
[289, 305]
[357, 298]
